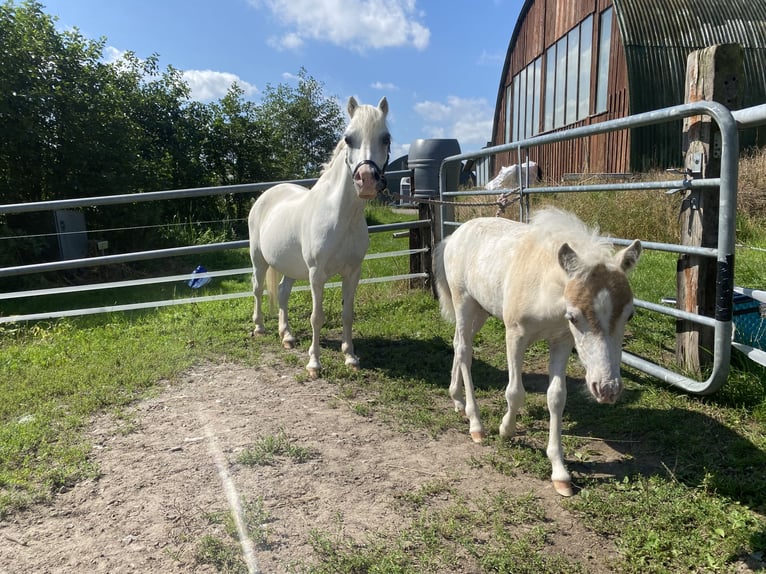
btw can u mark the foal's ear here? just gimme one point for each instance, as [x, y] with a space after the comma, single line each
[351, 107]
[568, 259]
[383, 105]
[628, 257]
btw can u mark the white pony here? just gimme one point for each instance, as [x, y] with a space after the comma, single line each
[552, 279]
[317, 233]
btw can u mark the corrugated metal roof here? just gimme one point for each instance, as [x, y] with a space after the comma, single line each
[658, 35]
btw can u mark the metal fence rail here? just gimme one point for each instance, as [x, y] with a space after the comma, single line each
[104, 260]
[729, 124]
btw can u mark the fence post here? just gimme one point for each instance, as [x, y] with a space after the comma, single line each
[716, 74]
[425, 159]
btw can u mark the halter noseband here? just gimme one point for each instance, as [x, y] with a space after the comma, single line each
[375, 168]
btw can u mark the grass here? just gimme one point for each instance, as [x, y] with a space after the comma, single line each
[686, 490]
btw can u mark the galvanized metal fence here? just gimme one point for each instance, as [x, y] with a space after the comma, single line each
[729, 124]
[106, 260]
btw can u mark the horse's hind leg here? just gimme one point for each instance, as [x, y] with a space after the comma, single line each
[284, 290]
[259, 280]
[350, 283]
[515, 345]
[469, 318]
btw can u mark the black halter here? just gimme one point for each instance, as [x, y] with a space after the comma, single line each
[380, 174]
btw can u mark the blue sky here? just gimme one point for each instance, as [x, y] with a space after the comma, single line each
[437, 62]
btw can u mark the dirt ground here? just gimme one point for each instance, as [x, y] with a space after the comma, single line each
[173, 464]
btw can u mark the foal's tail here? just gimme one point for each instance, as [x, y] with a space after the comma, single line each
[272, 286]
[442, 287]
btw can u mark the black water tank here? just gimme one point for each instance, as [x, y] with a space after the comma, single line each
[425, 157]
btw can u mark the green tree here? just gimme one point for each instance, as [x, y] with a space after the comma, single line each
[304, 124]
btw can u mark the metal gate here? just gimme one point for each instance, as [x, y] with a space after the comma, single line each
[729, 124]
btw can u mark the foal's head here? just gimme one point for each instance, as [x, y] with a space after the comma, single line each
[368, 144]
[599, 302]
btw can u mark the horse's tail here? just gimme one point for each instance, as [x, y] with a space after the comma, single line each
[442, 287]
[272, 286]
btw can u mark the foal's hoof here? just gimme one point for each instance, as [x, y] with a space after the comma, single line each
[563, 487]
[478, 436]
[288, 344]
[313, 373]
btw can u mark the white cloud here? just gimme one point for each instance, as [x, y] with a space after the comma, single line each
[112, 54]
[355, 24]
[207, 85]
[386, 86]
[469, 120]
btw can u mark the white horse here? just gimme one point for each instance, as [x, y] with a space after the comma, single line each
[552, 279]
[319, 232]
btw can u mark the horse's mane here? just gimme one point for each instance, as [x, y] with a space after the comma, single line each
[552, 227]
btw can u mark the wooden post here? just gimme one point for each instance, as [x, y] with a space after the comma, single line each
[712, 74]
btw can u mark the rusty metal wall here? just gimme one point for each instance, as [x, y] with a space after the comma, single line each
[651, 40]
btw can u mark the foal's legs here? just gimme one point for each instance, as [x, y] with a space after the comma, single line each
[469, 318]
[285, 287]
[515, 345]
[317, 281]
[557, 398]
[350, 283]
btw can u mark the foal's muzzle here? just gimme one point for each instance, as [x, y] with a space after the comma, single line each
[369, 188]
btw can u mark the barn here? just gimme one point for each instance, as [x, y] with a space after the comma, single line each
[577, 63]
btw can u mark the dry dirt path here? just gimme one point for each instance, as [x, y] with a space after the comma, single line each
[171, 464]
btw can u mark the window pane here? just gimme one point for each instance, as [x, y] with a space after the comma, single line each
[586, 40]
[573, 48]
[522, 103]
[515, 132]
[604, 43]
[550, 86]
[536, 108]
[530, 99]
[508, 112]
[561, 67]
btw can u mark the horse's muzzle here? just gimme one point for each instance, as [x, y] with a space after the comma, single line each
[606, 391]
[369, 179]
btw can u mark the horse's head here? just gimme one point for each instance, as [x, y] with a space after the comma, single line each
[599, 302]
[368, 144]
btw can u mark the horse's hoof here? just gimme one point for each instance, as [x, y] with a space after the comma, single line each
[354, 366]
[257, 332]
[313, 373]
[563, 487]
[478, 436]
[288, 345]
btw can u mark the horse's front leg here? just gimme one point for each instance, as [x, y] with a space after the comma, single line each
[557, 398]
[317, 281]
[284, 290]
[515, 396]
[350, 283]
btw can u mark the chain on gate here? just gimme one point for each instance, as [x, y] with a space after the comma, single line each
[503, 200]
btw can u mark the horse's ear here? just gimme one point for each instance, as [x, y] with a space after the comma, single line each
[383, 105]
[628, 257]
[568, 259]
[351, 107]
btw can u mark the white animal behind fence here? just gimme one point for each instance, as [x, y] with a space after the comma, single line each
[552, 279]
[317, 233]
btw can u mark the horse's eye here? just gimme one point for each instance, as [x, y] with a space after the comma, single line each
[570, 317]
[387, 140]
[349, 141]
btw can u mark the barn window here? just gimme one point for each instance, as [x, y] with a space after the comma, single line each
[604, 43]
[567, 77]
[525, 102]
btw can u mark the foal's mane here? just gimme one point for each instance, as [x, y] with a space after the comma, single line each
[553, 227]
